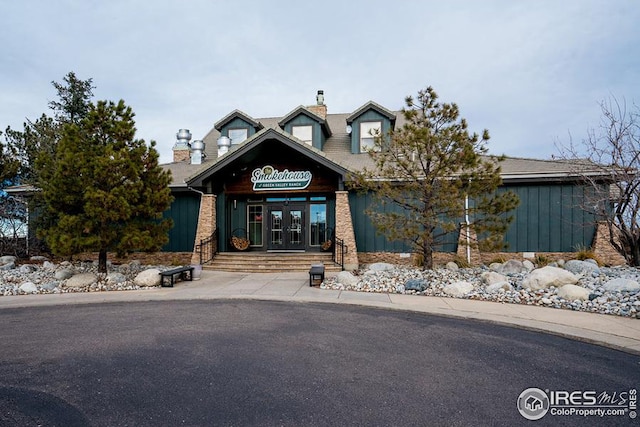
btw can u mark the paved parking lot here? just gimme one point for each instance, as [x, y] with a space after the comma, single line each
[256, 363]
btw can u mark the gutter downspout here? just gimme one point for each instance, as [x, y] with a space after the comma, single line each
[466, 219]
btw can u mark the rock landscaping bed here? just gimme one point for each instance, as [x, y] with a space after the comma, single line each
[573, 285]
[40, 276]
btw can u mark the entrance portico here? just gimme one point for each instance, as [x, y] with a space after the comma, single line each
[275, 191]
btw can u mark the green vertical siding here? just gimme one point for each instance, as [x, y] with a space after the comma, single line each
[184, 211]
[369, 240]
[221, 222]
[549, 219]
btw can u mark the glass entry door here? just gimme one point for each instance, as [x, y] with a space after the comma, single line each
[286, 227]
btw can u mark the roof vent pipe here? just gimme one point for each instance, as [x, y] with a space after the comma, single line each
[184, 136]
[197, 152]
[223, 145]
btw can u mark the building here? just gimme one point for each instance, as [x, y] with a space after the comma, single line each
[278, 184]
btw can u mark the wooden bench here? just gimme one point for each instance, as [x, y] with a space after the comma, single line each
[182, 273]
[316, 275]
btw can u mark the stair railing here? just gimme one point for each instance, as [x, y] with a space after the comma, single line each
[339, 249]
[208, 248]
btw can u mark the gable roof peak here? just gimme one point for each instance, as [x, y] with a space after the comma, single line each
[301, 109]
[371, 105]
[237, 114]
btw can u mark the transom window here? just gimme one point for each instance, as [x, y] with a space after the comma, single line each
[303, 133]
[237, 135]
[368, 133]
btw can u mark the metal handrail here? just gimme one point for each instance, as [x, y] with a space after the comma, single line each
[339, 249]
[208, 248]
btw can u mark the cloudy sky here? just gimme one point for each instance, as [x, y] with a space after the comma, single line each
[532, 72]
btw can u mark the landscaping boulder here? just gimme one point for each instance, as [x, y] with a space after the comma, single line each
[150, 277]
[81, 280]
[8, 266]
[27, 268]
[491, 277]
[581, 267]
[545, 277]
[48, 265]
[499, 287]
[528, 265]
[346, 278]
[452, 266]
[381, 266]
[495, 266]
[114, 278]
[458, 289]
[418, 285]
[573, 292]
[7, 259]
[64, 274]
[513, 266]
[28, 288]
[622, 285]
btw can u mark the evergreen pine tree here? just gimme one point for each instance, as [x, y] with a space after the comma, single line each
[425, 170]
[104, 187]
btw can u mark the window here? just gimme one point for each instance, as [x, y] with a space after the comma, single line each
[318, 224]
[237, 135]
[303, 133]
[255, 225]
[368, 133]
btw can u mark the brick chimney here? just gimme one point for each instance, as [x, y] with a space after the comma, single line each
[181, 149]
[320, 109]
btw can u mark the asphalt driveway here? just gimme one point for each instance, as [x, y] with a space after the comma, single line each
[254, 363]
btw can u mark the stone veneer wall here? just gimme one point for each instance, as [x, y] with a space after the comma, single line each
[441, 258]
[604, 249]
[344, 230]
[474, 252]
[206, 222]
[181, 155]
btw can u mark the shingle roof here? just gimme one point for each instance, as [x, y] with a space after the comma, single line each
[337, 148]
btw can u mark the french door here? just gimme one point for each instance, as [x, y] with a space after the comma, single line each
[285, 227]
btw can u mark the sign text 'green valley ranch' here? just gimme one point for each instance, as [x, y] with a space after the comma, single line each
[268, 178]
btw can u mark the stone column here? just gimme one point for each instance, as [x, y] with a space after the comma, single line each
[344, 230]
[206, 222]
[471, 243]
[603, 248]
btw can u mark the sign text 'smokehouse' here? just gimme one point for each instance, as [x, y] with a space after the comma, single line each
[269, 178]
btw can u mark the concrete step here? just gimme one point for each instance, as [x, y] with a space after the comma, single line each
[263, 262]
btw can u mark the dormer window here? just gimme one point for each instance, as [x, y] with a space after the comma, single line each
[303, 133]
[369, 131]
[367, 123]
[238, 135]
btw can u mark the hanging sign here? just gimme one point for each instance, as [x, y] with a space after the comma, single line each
[268, 178]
